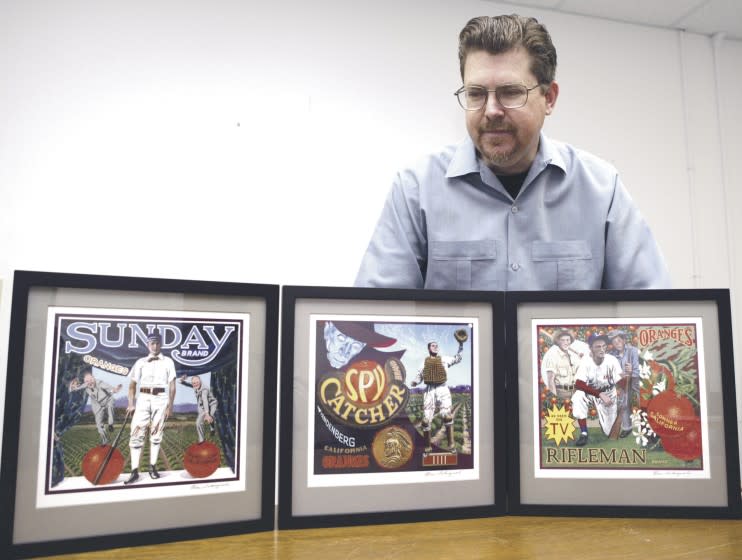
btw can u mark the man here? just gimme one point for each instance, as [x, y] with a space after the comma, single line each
[351, 340]
[559, 364]
[628, 388]
[437, 395]
[101, 398]
[155, 377]
[595, 384]
[509, 208]
[206, 403]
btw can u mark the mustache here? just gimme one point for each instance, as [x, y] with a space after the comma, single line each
[497, 126]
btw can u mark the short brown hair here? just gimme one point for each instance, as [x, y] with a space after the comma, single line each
[499, 34]
[559, 334]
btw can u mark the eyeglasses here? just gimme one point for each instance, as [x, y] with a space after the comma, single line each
[509, 96]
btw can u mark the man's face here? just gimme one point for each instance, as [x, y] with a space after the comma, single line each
[598, 349]
[89, 380]
[618, 343]
[154, 347]
[341, 348]
[196, 382]
[507, 139]
[564, 341]
[433, 348]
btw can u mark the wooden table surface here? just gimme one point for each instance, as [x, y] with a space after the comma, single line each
[510, 537]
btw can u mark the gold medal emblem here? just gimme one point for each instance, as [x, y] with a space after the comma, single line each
[392, 447]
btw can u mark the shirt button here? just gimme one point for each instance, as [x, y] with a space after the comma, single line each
[514, 209]
[515, 266]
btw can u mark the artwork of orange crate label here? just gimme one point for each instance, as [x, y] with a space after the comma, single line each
[620, 398]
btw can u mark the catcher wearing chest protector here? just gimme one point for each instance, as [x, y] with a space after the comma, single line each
[434, 374]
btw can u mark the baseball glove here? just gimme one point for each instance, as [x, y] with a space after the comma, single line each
[461, 335]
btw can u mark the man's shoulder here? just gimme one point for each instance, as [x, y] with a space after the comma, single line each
[612, 361]
[435, 165]
[574, 158]
[629, 350]
[445, 154]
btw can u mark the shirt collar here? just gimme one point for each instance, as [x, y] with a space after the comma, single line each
[548, 154]
[465, 161]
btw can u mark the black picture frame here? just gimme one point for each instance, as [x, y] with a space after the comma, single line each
[530, 492]
[302, 506]
[25, 529]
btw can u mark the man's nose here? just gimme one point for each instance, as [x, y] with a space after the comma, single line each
[492, 107]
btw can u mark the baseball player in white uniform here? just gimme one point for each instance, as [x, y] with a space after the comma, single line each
[435, 373]
[155, 376]
[595, 384]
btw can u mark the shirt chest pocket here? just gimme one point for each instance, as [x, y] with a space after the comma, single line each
[463, 265]
[563, 265]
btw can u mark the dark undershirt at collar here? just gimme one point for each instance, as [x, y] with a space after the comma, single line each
[513, 183]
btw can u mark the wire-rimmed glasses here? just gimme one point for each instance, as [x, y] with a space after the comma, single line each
[509, 96]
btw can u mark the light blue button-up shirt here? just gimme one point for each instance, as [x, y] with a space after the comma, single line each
[448, 223]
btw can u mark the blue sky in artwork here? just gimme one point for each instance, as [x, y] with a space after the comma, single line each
[414, 338]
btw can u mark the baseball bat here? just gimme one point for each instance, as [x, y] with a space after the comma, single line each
[107, 459]
[616, 428]
[575, 352]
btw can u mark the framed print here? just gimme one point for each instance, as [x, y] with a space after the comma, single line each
[392, 406]
[623, 403]
[137, 411]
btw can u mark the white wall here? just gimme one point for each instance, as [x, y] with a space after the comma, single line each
[254, 141]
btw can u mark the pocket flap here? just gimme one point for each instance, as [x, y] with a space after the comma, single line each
[577, 249]
[463, 250]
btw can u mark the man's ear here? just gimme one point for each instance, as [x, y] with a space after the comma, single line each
[551, 97]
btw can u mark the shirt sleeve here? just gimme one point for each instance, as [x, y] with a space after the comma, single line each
[453, 360]
[547, 364]
[581, 374]
[617, 372]
[397, 254]
[80, 387]
[633, 259]
[580, 385]
[135, 372]
[171, 374]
